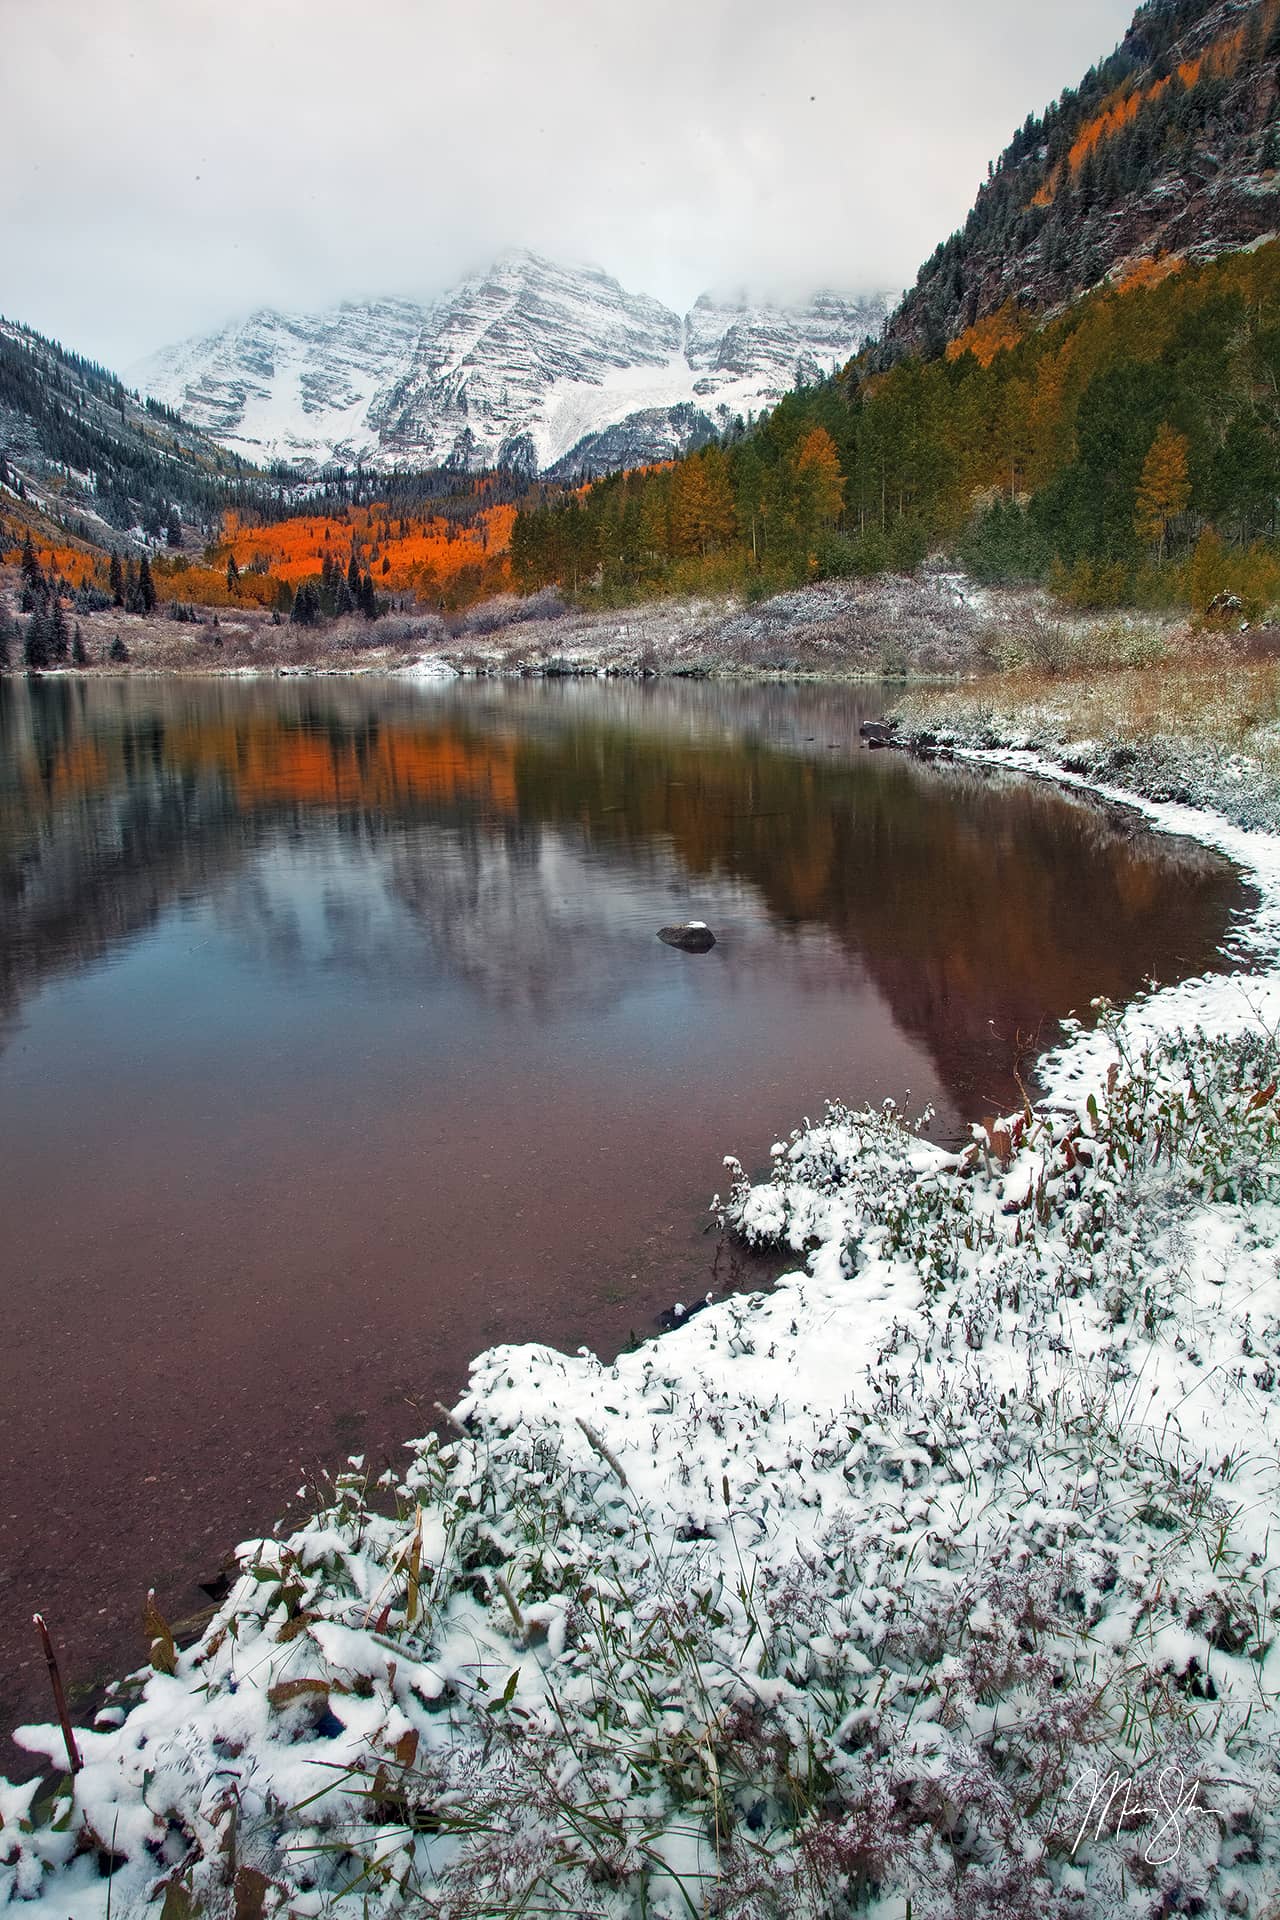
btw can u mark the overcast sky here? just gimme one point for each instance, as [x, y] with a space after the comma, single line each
[172, 164]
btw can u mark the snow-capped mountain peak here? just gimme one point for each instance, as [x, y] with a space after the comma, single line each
[530, 363]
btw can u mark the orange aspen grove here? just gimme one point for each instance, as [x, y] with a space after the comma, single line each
[409, 555]
[986, 338]
[1220, 59]
[1149, 273]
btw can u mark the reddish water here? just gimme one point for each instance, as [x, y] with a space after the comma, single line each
[336, 1044]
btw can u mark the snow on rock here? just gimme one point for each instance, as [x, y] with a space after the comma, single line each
[944, 1574]
[531, 364]
[429, 667]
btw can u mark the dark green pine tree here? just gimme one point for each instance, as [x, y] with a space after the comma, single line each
[173, 531]
[146, 585]
[59, 638]
[117, 580]
[35, 650]
[35, 588]
[306, 605]
[118, 652]
[79, 652]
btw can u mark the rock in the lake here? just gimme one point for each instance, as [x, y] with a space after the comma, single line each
[694, 937]
[876, 733]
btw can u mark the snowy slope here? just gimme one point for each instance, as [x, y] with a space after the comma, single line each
[521, 365]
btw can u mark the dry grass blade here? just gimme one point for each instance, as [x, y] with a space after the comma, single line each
[415, 1566]
[59, 1697]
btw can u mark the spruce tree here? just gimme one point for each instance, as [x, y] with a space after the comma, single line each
[35, 651]
[146, 586]
[118, 652]
[59, 639]
[306, 606]
[79, 652]
[117, 580]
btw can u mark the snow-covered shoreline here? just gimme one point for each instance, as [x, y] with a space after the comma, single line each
[879, 1587]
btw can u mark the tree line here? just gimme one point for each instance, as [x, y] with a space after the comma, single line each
[1129, 450]
[48, 637]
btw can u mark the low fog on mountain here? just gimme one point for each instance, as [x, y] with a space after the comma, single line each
[197, 162]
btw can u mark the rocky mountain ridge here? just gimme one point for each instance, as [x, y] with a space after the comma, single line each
[531, 365]
[1167, 152]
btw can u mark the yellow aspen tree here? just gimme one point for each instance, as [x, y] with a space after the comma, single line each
[690, 508]
[817, 469]
[1164, 490]
[722, 520]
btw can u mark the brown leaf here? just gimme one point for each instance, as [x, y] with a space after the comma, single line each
[179, 1902]
[251, 1886]
[292, 1628]
[286, 1692]
[160, 1641]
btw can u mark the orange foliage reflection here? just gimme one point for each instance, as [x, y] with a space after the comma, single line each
[269, 764]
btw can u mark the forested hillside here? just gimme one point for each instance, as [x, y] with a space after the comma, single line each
[80, 451]
[1170, 147]
[1128, 450]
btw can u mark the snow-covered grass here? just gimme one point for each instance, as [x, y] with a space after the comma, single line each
[938, 1581]
[894, 626]
[1201, 722]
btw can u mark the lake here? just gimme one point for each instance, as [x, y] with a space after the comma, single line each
[337, 1043]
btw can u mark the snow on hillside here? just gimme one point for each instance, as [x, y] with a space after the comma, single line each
[939, 1581]
[519, 365]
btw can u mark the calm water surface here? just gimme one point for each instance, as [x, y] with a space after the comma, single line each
[336, 1044]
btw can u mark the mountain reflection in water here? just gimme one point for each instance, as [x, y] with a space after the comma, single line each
[512, 838]
[336, 1043]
